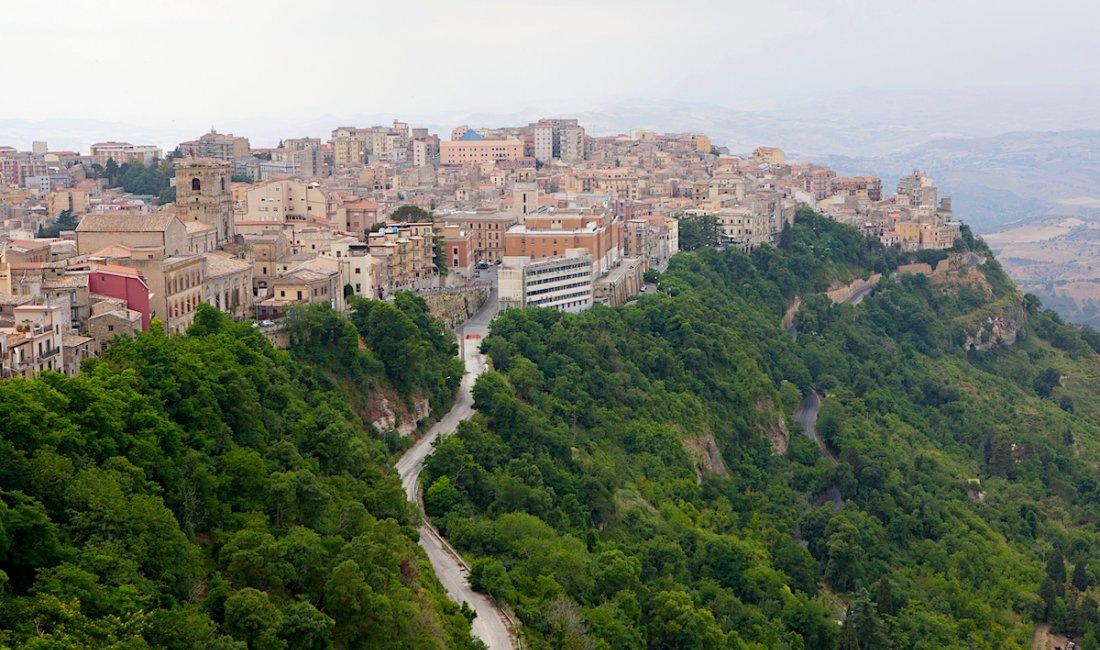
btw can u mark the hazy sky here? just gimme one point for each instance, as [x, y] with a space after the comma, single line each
[147, 61]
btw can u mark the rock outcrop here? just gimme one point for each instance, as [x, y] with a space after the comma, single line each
[387, 414]
[705, 456]
[995, 331]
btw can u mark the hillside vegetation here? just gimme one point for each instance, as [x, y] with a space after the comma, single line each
[619, 489]
[209, 491]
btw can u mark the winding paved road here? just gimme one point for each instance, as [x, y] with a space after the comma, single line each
[491, 624]
[806, 415]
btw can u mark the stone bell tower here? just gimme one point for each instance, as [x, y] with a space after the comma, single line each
[203, 194]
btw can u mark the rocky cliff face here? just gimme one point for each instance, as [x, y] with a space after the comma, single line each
[705, 456]
[453, 306]
[778, 435]
[394, 414]
[995, 331]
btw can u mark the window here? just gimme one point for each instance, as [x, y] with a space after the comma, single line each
[195, 185]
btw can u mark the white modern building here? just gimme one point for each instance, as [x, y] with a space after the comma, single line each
[563, 282]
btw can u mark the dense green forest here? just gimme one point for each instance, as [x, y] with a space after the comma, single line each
[635, 477]
[210, 491]
[618, 488]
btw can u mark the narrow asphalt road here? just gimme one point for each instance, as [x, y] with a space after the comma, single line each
[858, 296]
[490, 625]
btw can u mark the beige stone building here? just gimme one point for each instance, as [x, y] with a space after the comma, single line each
[227, 284]
[160, 230]
[110, 318]
[266, 248]
[487, 229]
[220, 146]
[175, 281]
[472, 150]
[406, 250]
[286, 200]
[302, 286]
[76, 201]
[620, 285]
[769, 156]
[203, 194]
[75, 348]
[361, 215]
[34, 344]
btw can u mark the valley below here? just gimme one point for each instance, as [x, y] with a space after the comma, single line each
[1056, 259]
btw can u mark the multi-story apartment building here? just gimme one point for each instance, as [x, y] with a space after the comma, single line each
[487, 229]
[859, 187]
[361, 215]
[550, 232]
[471, 149]
[267, 248]
[558, 139]
[743, 227]
[425, 148]
[74, 200]
[564, 282]
[299, 144]
[364, 273]
[818, 181]
[220, 146]
[407, 251]
[281, 201]
[917, 191]
[34, 344]
[296, 163]
[348, 149]
[125, 284]
[124, 152]
[639, 239]
[459, 250]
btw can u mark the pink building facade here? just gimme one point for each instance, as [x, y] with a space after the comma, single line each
[122, 283]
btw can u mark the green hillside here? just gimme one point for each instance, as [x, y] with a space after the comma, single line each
[209, 491]
[619, 487]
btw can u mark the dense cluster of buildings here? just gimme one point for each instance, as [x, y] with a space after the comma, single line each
[571, 220]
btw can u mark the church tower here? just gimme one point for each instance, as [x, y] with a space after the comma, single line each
[203, 194]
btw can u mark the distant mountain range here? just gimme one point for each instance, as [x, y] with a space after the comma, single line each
[1003, 154]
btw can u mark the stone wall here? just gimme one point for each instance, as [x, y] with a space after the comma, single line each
[953, 262]
[453, 306]
[842, 294]
[919, 268]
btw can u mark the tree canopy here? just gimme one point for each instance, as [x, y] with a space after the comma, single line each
[619, 485]
[205, 491]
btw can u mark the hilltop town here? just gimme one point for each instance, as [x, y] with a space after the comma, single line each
[103, 243]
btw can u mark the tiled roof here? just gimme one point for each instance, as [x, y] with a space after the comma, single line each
[153, 222]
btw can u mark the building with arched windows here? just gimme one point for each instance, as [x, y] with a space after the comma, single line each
[203, 194]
